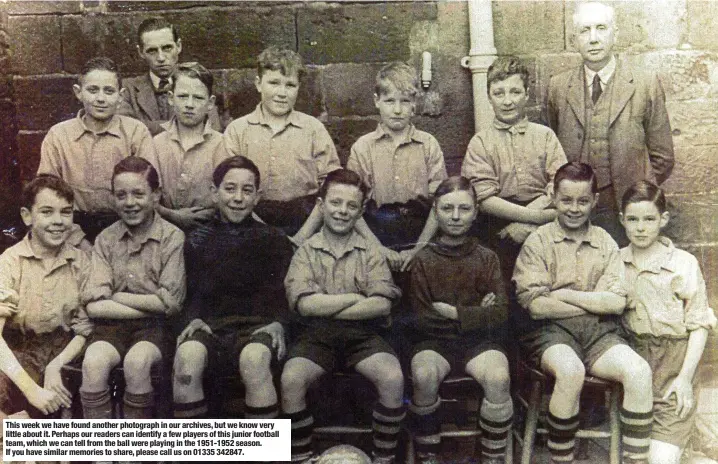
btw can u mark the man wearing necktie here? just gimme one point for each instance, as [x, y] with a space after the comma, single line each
[145, 96]
[609, 115]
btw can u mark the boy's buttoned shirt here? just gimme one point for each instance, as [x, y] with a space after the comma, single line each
[293, 162]
[397, 174]
[551, 260]
[186, 176]
[149, 265]
[515, 162]
[359, 268]
[40, 299]
[667, 297]
[85, 159]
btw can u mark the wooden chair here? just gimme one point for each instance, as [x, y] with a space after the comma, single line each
[537, 403]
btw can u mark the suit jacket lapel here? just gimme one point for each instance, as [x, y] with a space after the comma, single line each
[575, 95]
[146, 98]
[623, 89]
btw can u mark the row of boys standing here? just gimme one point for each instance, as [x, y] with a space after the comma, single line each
[384, 167]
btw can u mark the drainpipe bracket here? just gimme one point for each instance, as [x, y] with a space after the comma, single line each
[478, 62]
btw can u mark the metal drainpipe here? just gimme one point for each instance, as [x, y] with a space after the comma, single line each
[481, 55]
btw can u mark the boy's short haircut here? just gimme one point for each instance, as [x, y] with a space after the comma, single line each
[156, 23]
[46, 181]
[455, 184]
[139, 166]
[193, 70]
[346, 177]
[100, 63]
[400, 75]
[235, 162]
[280, 59]
[577, 172]
[504, 67]
[644, 190]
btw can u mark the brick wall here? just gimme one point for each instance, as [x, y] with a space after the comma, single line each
[345, 43]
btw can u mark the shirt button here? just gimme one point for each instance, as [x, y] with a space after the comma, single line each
[396, 177]
[132, 276]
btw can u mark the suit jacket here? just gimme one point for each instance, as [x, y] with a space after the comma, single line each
[140, 103]
[640, 142]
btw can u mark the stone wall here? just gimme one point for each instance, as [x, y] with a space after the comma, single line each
[345, 43]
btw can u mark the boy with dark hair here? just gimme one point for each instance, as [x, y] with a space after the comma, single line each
[570, 277]
[146, 96]
[401, 165]
[235, 272]
[293, 150]
[42, 323]
[136, 284]
[187, 148]
[82, 151]
[342, 288]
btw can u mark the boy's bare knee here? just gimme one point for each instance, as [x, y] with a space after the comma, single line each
[498, 380]
[293, 382]
[425, 377]
[254, 363]
[639, 374]
[571, 374]
[189, 362]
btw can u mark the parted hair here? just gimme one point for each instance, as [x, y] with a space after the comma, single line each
[46, 181]
[644, 190]
[139, 166]
[577, 172]
[101, 63]
[454, 184]
[346, 177]
[235, 162]
[156, 23]
[193, 70]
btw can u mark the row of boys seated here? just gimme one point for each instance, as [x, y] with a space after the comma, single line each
[339, 286]
[340, 292]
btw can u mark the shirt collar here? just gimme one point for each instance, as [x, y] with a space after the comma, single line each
[519, 127]
[319, 242]
[662, 260]
[156, 80]
[559, 234]
[604, 74]
[411, 135]
[154, 232]
[172, 128]
[257, 117]
[80, 128]
[67, 252]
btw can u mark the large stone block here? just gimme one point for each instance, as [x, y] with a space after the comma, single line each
[43, 102]
[549, 65]
[453, 134]
[134, 6]
[28, 148]
[35, 44]
[241, 96]
[695, 171]
[5, 86]
[642, 25]
[694, 122]
[113, 36]
[225, 38]
[453, 19]
[702, 18]
[349, 89]
[694, 219]
[345, 132]
[34, 7]
[337, 33]
[685, 74]
[8, 124]
[527, 28]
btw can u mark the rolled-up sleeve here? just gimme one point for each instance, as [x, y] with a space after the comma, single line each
[436, 165]
[479, 170]
[325, 153]
[379, 280]
[142, 144]
[172, 284]
[300, 280]
[614, 275]
[697, 312]
[555, 158]
[9, 297]
[99, 284]
[531, 273]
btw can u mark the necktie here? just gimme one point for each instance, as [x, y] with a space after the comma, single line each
[162, 104]
[596, 89]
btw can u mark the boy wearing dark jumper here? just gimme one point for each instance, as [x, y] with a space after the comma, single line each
[235, 271]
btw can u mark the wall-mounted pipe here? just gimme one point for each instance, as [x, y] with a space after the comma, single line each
[481, 55]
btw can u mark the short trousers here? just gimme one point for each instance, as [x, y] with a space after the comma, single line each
[588, 336]
[34, 352]
[666, 356]
[335, 347]
[125, 334]
[458, 352]
[224, 347]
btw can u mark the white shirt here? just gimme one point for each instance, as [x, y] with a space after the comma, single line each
[604, 75]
